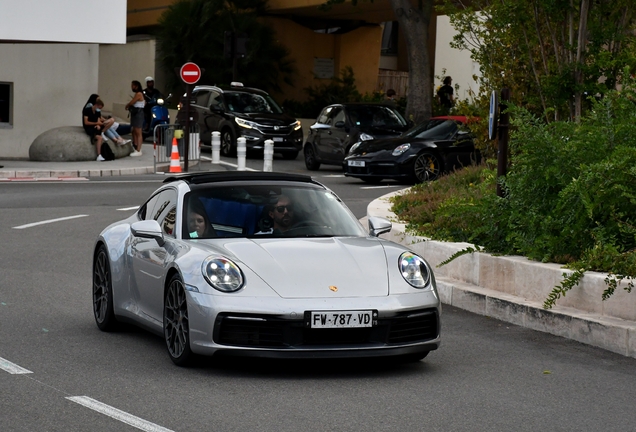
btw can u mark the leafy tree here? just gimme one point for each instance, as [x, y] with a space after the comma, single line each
[414, 17]
[193, 30]
[552, 54]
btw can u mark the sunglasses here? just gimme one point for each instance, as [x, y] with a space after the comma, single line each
[281, 209]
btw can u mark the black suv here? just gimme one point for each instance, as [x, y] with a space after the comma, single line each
[245, 112]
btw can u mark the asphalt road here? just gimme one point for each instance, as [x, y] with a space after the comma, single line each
[487, 375]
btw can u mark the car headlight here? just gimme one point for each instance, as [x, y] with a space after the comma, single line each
[222, 274]
[414, 270]
[297, 125]
[159, 101]
[400, 149]
[244, 123]
[354, 147]
[365, 137]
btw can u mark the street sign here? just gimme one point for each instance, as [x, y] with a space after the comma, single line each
[492, 116]
[190, 73]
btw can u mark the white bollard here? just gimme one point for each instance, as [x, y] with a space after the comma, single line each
[216, 147]
[241, 152]
[268, 155]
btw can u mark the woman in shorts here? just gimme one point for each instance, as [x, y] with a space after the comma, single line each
[136, 109]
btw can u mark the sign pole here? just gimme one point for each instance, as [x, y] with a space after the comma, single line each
[190, 73]
[502, 154]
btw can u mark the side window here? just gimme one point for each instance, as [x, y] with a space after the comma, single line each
[6, 104]
[202, 98]
[145, 211]
[216, 100]
[324, 115]
[165, 211]
[338, 115]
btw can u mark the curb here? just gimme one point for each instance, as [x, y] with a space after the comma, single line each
[24, 175]
[613, 334]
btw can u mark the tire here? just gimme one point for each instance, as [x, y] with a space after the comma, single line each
[228, 145]
[290, 155]
[176, 328]
[103, 292]
[310, 158]
[427, 167]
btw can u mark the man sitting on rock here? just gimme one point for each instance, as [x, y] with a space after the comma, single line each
[94, 125]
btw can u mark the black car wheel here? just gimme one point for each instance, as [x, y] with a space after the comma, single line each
[290, 155]
[310, 158]
[176, 328]
[103, 291]
[228, 147]
[427, 167]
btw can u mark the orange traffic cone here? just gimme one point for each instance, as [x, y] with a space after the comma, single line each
[175, 164]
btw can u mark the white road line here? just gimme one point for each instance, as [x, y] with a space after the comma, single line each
[128, 208]
[116, 414]
[49, 221]
[378, 187]
[12, 368]
[333, 175]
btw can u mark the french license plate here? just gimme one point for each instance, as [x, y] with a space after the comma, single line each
[341, 319]
[355, 163]
[278, 139]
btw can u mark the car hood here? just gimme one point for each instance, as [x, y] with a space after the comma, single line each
[307, 268]
[377, 132]
[268, 118]
[377, 145]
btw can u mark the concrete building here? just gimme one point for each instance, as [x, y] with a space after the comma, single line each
[49, 64]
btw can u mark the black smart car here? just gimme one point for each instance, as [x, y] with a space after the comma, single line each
[420, 154]
[245, 112]
[340, 126]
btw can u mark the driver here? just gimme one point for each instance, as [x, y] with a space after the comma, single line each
[282, 214]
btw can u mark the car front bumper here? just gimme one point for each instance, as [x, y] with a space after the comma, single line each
[276, 328]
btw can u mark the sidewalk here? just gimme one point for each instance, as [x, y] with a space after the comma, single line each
[21, 170]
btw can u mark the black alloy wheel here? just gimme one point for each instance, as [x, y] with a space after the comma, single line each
[228, 148]
[310, 158]
[427, 167]
[103, 291]
[176, 328]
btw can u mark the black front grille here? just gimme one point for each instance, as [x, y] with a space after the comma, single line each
[275, 130]
[267, 331]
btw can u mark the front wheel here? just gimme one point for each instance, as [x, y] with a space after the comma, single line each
[311, 162]
[426, 167]
[103, 292]
[176, 326]
[228, 147]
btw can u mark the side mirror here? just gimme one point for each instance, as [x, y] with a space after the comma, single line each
[217, 108]
[340, 124]
[379, 225]
[149, 229]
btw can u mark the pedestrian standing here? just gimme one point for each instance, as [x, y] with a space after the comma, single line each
[136, 109]
[445, 94]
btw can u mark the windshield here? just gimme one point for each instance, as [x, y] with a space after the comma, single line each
[436, 129]
[376, 116]
[274, 210]
[247, 103]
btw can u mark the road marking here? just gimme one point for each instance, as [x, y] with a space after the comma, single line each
[128, 208]
[12, 368]
[378, 187]
[116, 414]
[42, 179]
[235, 166]
[49, 221]
[333, 175]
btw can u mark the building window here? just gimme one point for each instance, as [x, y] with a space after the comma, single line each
[390, 38]
[6, 104]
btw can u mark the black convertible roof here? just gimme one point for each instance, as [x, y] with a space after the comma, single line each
[212, 177]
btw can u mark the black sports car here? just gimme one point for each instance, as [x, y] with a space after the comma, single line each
[339, 126]
[418, 155]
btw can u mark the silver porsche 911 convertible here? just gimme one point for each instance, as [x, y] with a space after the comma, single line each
[263, 264]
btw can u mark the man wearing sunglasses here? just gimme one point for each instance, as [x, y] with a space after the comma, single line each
[282, 214]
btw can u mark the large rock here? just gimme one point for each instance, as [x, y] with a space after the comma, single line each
[69, 144]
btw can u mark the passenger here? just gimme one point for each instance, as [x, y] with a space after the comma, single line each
[151, 95]
[198, 224]
[136, 108]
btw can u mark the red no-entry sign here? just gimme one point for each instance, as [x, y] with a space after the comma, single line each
[190, 73]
